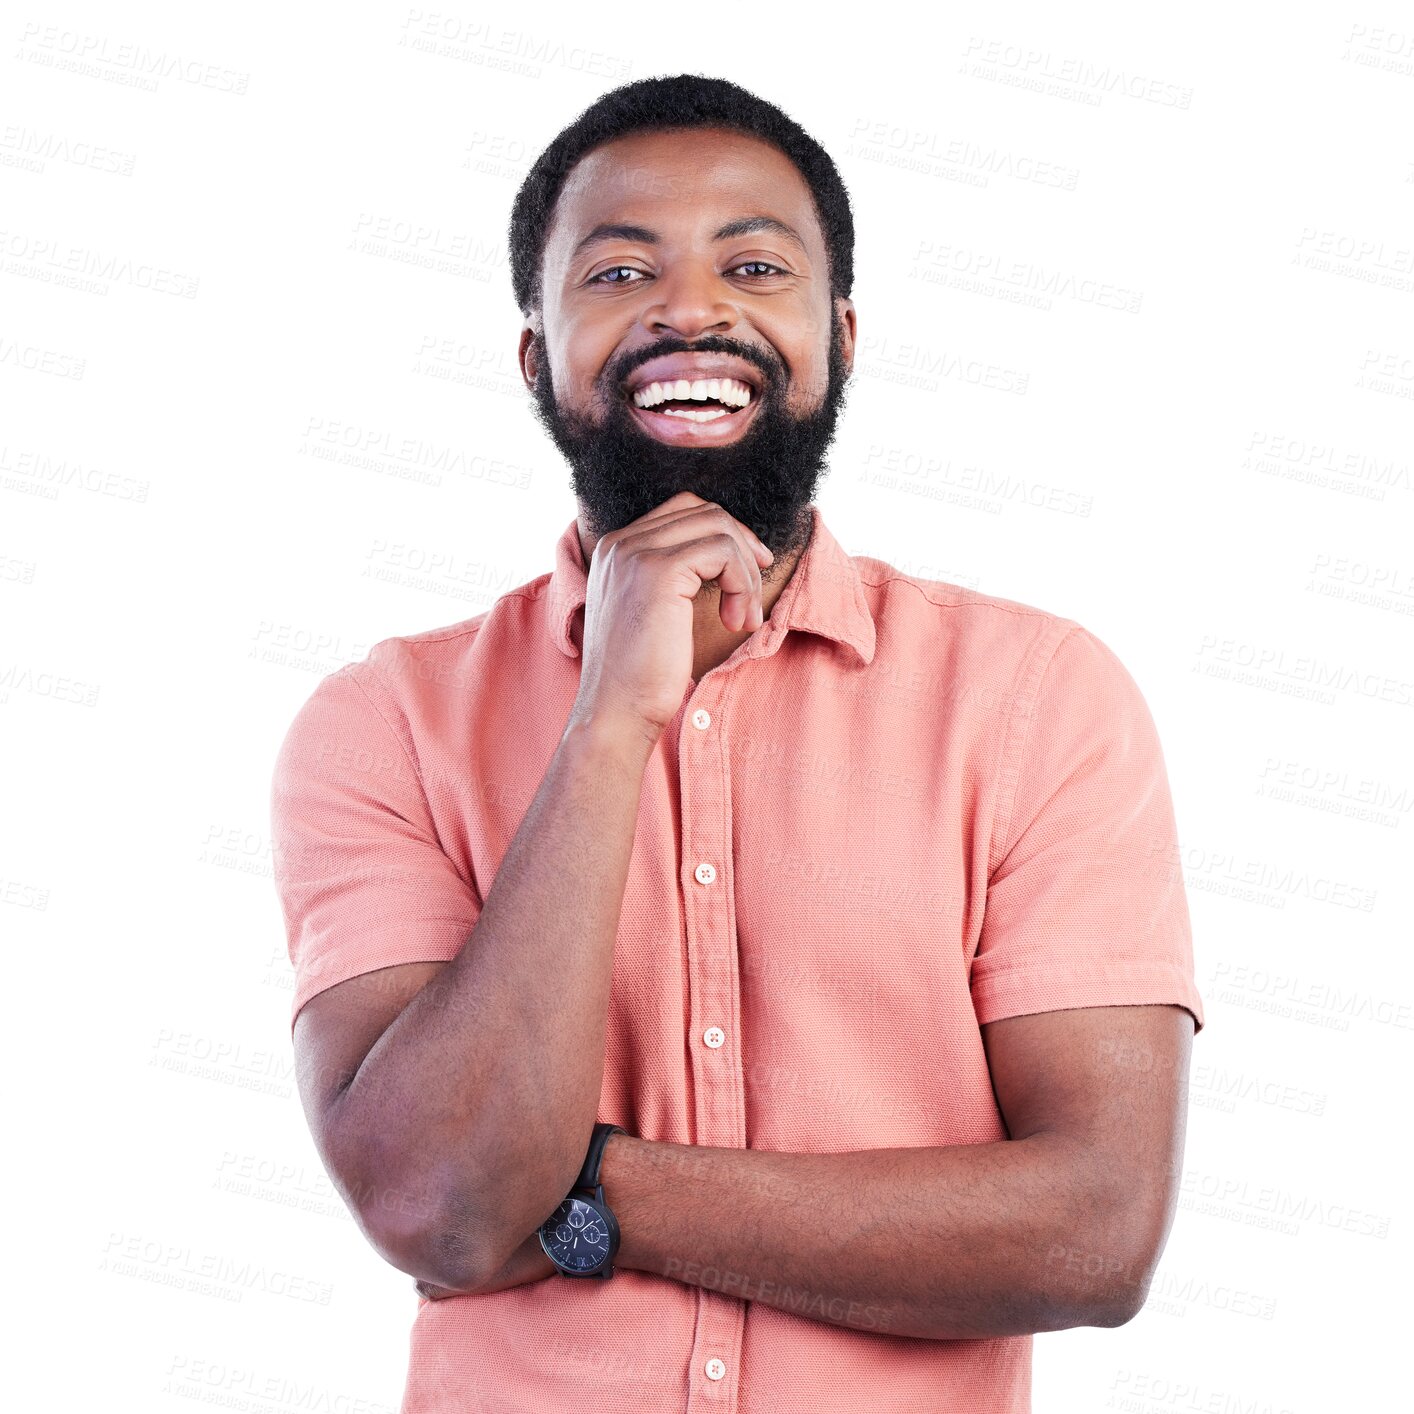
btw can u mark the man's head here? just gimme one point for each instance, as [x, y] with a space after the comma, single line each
[639, 256]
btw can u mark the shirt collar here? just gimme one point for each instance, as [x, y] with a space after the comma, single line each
[824, 595]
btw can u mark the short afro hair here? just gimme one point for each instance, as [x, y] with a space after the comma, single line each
[665, 103]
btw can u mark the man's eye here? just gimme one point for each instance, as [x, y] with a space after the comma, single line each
[616, 269]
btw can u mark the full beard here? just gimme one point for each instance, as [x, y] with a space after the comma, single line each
[766, 478]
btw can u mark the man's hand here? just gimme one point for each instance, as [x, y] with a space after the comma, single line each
[638, 612]
[527, 1263]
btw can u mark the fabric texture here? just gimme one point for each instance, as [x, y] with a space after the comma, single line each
[927, 809]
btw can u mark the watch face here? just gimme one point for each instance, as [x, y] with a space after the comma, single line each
[576, 1236]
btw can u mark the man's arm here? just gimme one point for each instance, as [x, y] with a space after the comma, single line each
[451, 1102]
[453, 1110]
[1060, 1225]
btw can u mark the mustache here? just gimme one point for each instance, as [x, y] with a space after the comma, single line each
[772, 370]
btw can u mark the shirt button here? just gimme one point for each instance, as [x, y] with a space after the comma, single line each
[714, 1036]
[704, 873]
[702, 719]
[715, 1369]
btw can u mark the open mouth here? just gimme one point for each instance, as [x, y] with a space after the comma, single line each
[703, 412]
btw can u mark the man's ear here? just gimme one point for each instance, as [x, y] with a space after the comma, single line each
[528, 354]
[845, 308]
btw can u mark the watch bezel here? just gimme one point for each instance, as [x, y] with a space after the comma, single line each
[606, 1216]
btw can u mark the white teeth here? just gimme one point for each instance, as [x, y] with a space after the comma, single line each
[731, 391]
[706, 415]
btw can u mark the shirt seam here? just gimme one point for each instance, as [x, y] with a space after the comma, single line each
[1067, 970]
[1001, 841]
[1181, 987]
[441, 635]
[978, 601]
[383, 716]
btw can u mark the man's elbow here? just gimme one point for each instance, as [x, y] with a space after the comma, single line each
[1118, 1296]
[446, 1246]
[1107, 1273]
[423, 1227]
[1093, 1304]
[440, 1222]
[1120, 1304]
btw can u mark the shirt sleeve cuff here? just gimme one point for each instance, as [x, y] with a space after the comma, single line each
[1019, 991]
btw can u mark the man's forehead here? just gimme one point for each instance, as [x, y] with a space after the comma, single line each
[648, 181]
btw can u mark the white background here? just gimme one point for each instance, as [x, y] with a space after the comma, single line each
[1134, 299]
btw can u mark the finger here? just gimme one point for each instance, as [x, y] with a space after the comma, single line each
[733, 556]
[721, 557]
[672, 508]
[688, 512]
[724, 558]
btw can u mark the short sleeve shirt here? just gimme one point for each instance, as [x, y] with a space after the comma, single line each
[898, 811]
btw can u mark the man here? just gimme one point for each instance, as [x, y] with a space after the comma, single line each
[830, 918]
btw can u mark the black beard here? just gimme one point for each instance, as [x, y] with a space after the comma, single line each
[766, 478]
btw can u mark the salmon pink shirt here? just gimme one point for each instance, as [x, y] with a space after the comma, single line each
[899, 810]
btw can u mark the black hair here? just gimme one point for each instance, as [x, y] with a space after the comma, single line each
[661, 104]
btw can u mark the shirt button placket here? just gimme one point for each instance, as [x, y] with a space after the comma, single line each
[705, 795]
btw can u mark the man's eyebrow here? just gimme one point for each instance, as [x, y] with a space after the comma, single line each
[742, 226]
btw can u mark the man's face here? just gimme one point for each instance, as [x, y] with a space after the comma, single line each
[672, 300]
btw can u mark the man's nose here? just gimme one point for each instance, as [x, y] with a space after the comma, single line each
[691, 299]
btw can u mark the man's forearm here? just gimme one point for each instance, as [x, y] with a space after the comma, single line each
[964, 1242]
[463, 1108]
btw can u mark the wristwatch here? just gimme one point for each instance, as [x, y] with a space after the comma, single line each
[581, 1237]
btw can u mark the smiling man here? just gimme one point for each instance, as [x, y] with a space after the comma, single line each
[731, 973]
[742, 411]
[730, 391]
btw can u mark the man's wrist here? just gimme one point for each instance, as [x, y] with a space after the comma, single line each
[621, 1172]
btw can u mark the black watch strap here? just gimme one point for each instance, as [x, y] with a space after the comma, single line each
[589, 1174]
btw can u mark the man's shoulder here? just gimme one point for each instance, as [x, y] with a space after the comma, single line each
[430, 659]
[978, 652]
[955, 617]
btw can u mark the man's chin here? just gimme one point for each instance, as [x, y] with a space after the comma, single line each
[621, 472]
[765, 478]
